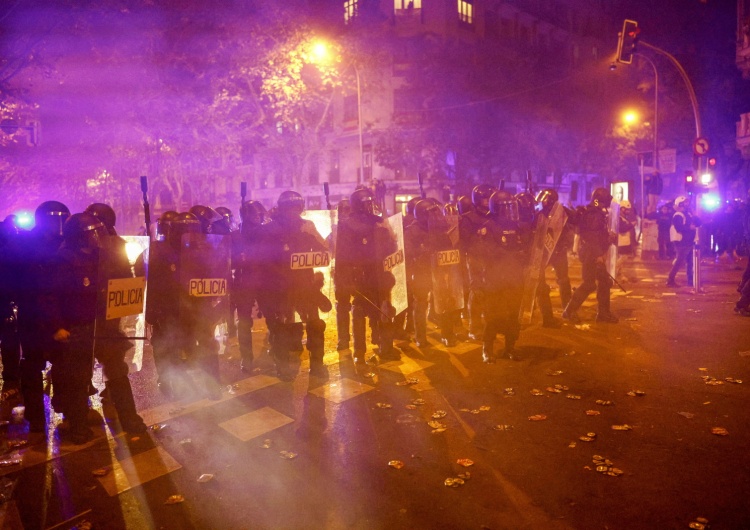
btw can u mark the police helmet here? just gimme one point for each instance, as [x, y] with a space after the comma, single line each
[344, 208]
[503, 205]
[228, 216]
[50, 217]
[164, 224]
[84, 230]
[546, 199]
[291, 204]
[450, 209]
[600, 197]
[480, 197]
[208, 218]
[105, 214]
[425, 210]
[252, 213]
[412, 204]
[526, 205]
[464, 204]
[680, 201]
[183, 223]
[362, 201]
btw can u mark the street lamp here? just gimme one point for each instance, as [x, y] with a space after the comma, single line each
[320, 53]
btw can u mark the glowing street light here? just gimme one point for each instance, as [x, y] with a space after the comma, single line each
[320, 53]
[630, 117]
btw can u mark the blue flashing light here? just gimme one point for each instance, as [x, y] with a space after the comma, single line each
[710, 202]
[24, 220]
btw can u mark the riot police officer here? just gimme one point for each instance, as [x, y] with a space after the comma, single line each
[86, 261]
[169, 333]
[246, 277]
[27, 262]
[289, 287]
[503, 283]
[228, 221]
[343, 287]
[593, 229]
[363, 242]
[418, 268]
[558, 260]
[475, 245]
[404, 322]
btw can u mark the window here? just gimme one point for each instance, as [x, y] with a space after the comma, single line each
[334, 170]
[403, 7]
[314, 170]
[350, 109]
[466, 11]
[351, 10]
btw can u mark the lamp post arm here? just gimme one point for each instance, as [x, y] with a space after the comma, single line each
[685, 78]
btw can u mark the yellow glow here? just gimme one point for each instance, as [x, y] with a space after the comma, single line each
[320, 51]
[706, 178]
[630, 117]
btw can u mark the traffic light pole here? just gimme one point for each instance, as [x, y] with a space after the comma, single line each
[698, 134]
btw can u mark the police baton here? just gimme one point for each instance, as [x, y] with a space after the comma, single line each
[146, 207]
[528, 181]
[421, 182]
[616, 282]
[243, 193]
[326, 192]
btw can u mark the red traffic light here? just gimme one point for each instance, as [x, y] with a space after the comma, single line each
[627, 41]
[712, 161]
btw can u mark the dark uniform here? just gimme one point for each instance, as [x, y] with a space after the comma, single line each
[88, 258]
[418, 249]
[27, 263]
[503, 276]
[363, 241]
[343, 288]
[245, 244]
[547, 198]
[475, 245]
[169, 336]
[593, 229]
[289, 293]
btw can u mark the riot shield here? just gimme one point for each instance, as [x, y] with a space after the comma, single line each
[614, 227]
[446, 265]
[546, 236]
[120, 321]
[389, 249]
[325, 222]
[205, 272]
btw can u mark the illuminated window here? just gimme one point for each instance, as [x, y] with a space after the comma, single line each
[351, 10]
[465, 11]
[350, 109]
[406, 5]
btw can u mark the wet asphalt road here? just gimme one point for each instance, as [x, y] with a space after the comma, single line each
[525, 474]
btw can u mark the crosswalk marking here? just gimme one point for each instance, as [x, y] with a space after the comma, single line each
[172, 410]
[139, 469]
[255, 423]
[341, 390]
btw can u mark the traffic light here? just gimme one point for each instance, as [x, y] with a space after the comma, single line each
[689, 183]
[627, 42]
[712, 162]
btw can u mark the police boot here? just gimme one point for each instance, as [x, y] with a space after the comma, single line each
[317, 367]
[121, 394]
[509, 351]
[488, 352]
[342, 328]
[359, 334]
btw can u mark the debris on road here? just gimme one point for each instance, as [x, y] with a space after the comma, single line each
[384, 405]
[102, 471]
[733, 380]
[719, 431]
[537, 417]
[174, 499]
[688, 415]
[592, 413]
[439, 414]
[396, 464]
[465, 462]
[418, 401]
[454, 482]
[205, 477]
[554, 372]
[436, 424]
[624, 427]
[287, 455]
[606, 466]
[572, 396]
[636, 393]
[604, 403]
[503, 427]
[536, 392]
[266, 444]
[700, 523]
[410, 381]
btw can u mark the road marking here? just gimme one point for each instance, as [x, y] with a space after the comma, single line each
[341, 390]
[406, 365]
[139, 469]
[255, 423]
[174, 409]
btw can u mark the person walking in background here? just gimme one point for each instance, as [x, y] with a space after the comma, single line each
[682, 234]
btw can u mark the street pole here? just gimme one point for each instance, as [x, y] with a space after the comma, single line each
[656, 128]
[359, 126]
[696, 115]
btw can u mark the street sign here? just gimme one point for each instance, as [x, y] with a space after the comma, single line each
[700, 146]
